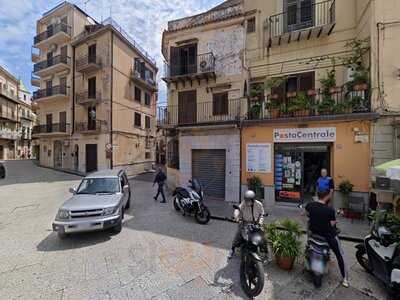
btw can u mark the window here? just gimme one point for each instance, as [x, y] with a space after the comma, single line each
[173, 154]
[138, 120]
[147, 122]
[147, 99]
[138, 94]
[24, 97]
[92, 88]
[183, 60]
[147, 155]
[92, 53]
[300, 14]
[220, 104]
[251, 25]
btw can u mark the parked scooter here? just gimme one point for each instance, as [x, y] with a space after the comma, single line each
[253, 254]
[190, 200]
[379, 255]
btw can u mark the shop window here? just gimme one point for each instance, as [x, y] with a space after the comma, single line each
[138, 94]
[138, 120]
[251, 25]
[173, 154]
[220, 104]
[147, 99]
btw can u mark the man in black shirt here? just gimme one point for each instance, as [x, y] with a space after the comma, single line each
[160, 180]
[322, 221]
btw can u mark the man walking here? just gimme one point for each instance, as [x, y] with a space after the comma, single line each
[160, 180]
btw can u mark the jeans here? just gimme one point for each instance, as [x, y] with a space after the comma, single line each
[336, 246]
[160, 190]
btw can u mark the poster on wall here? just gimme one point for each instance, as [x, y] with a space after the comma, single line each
[259, 158]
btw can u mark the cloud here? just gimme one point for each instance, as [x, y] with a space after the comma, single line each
[144, 20]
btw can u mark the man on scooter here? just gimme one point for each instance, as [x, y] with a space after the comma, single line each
[250, 211]
[322, 221]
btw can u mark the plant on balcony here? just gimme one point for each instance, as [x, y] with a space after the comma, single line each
[328, 83]
[272, 105]
[300, 105]
[357, 104]
[255, 110]
[284, 110]
[355, 61]
[272, 83]
[256, 92]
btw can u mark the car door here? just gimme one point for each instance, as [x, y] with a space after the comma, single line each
[125, 194]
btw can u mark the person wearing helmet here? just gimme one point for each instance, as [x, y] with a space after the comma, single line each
[250, 211]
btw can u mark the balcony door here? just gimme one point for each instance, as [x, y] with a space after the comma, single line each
[63, 85]
[91, 118]
[301, 82]
[49, 87]
[92, 54]
[92, 88]
[299, 14]
[183, 60]
[63, 121]
[49, 122]
[49, 57]
[187, 107]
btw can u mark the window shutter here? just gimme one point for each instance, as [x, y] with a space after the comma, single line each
[174, 61]
[306, 81]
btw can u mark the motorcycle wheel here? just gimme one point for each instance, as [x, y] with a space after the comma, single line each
[203, 216]
[362, 259]
[176, 205]
[317, 280]
[251, 276]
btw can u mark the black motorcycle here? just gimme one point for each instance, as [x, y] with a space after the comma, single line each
[317, 256]
[379, 255]
[191, 201]
[253, 255]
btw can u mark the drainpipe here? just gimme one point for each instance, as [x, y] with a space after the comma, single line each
[73, 92]
[240, 159]
[111, 99]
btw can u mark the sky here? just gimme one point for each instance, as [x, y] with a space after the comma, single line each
[144, 20]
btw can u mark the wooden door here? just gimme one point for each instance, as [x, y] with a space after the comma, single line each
[187, 107]
[91, 158]
[63, 121]
[92, 88]
[57, 154]
[49, 122]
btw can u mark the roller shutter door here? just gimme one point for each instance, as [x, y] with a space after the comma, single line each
[208, 166]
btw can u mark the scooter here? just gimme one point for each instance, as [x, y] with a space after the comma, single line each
[379, 255]
[190, 200]
[254, 254]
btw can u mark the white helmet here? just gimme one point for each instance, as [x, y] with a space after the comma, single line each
[249, 195]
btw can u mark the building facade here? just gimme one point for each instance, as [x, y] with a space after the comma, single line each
[100, 113]
[204, 74]
[16, 118]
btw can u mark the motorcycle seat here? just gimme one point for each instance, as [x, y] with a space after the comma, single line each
[318, 240]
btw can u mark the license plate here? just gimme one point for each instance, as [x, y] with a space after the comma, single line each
[317, 266]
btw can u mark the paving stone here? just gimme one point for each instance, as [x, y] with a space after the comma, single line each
[196, 289]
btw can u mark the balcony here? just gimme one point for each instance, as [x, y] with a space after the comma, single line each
[35, 80]
[312, 104]
[53, 65]
[55, 92]
[204, 113]
[302, 23]
[203, 68]
[35, 54]
[88, 63]
[86, 98]
[51, 129]
[93, 127]
[9, 115]
[55, 34]
[144, 80]
[9, 134]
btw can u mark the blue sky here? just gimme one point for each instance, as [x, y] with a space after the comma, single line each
[144, 20]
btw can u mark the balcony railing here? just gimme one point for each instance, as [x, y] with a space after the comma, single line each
[51, 128]
[204, 63]
[302, 17]
[9, 134]
[91, 127]
[337, 101]
[51, 31]
[59, 59]
[146, 79]
[88, 62]
[48, 92]
[87, 98]
[202, 113]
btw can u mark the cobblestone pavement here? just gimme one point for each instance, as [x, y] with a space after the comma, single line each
[158, 255]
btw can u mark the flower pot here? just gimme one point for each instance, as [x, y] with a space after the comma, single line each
[273, 96]
[360, 87]
[334, 90]
[274, 112]
[291, 94]
[285, 263]
[311, 93]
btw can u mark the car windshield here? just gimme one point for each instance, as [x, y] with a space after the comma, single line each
[99, 186]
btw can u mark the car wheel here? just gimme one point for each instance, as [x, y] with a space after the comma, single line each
[118, 227]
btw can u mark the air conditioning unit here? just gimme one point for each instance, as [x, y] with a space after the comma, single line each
[205, 66]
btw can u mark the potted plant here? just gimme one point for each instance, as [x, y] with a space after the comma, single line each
[284, 237]
[255, 111]
[254, 183]
[357, 104]
[272, 105]
[301, 105]
[345, 188]
[326, 106]
[284, 110]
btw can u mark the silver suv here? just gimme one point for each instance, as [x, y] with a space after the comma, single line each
[98, 203]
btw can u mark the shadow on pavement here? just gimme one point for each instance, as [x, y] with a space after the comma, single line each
[74, 241]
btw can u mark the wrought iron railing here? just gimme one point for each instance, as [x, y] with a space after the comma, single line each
[52, 30]
[51, 128]
[204, 63]
[9, 134]
[144, 77]
[336, 101]
[203, 112]
[88, 96]
[91, 126]
[84, 61]
[48, 92]
[59, 59]
[301, 17]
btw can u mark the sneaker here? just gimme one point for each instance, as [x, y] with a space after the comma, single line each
[155, 199]
[231, 253]
[345, 283]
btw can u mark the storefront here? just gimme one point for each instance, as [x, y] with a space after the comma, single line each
[288, 158]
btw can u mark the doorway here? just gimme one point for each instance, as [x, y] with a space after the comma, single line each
[313, 163]
[91, 158]
[57, 154]
[1, 152]
[76, 158]
[187, 107]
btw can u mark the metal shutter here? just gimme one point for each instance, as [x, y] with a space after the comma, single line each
[208, 166]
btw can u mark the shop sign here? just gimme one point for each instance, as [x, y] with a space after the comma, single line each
[289, 195]
[305, 135]
[259, 158]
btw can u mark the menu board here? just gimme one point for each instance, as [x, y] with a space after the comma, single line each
[259, 158]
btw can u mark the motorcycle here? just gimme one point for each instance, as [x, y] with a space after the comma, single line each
[379, 255]
[190, 200]
[253, 256]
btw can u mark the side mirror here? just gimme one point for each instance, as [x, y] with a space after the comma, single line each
[72, 190]
[125, 189]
